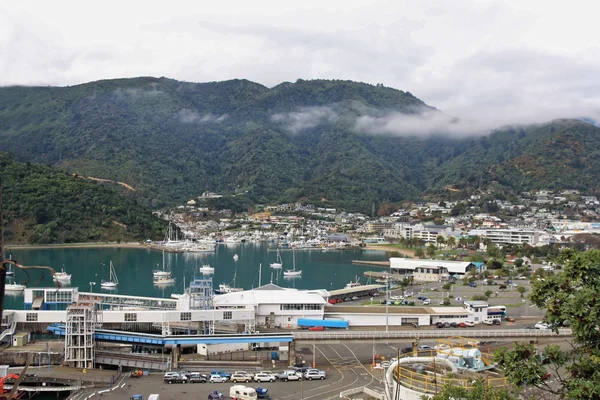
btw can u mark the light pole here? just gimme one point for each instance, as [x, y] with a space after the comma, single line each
[387, 305]
[526, 308]
[92, 284]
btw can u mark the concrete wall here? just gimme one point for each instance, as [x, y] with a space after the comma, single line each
[141, 316]
[364, 319]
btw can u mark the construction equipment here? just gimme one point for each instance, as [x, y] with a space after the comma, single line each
[137, 374]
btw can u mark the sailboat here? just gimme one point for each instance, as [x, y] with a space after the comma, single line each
[164, 280]
[292, 272]
[161, 273]
[9, 271]
[113, 281]
[279, 263]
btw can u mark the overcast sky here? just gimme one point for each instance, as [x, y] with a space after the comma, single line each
[494, 61]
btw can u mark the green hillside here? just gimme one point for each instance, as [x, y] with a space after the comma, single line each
[173, 140]
[44, 205]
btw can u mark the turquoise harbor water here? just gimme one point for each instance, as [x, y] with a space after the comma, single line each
[321, 270]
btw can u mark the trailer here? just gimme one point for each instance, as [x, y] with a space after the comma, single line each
[325, 323]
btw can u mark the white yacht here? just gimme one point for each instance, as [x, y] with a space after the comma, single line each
[14, 287]
[292, 272]
[112, 281]
[278, 264]
[164, 280]
[61, 277]
[207, 269]
[161, 273]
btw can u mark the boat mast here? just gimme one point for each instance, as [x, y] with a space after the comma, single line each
[260, 275]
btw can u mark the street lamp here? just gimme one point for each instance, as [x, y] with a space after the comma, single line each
[92, 284]
[387, 305]
[526, 308]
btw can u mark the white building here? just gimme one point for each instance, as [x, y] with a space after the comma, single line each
[478, 309]
[533, 237]
[275, 306]
[408, 266]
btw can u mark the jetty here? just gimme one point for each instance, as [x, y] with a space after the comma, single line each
[383, 264]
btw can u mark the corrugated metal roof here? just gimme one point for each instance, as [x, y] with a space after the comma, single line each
[357, 289]
[266, 296]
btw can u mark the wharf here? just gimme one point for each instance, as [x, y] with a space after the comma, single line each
[372, 263]
[384, 275]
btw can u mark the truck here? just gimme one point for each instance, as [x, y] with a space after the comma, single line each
[325, 323]
[154, 397]
[265, 346]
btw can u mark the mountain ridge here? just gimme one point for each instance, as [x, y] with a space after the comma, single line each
[173, 140]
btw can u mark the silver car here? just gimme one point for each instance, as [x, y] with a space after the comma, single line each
[314, 374]
[264, 377]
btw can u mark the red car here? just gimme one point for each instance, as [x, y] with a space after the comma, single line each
[316, 328]
[462, 325]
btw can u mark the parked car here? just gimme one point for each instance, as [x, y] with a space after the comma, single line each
[472, 284]
[497, 322]
[542, 325]
[446, 324]
[488, 322]
[197, 377]
[439, 324]
[301, 370]
[355, 297]
[264, 377]
[175, 377]
[214, 378]
[316, 328]
[462, 325]
[241, 377]
[510, 319]
[221, 373]
[314, 374]
[469, 323]
[290, 375]
[422, 298]
[407, 349]
[441, 302]
[426, 302]
[454, 324]
[425, 347]
[397, 297]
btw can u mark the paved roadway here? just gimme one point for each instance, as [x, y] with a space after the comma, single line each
[348, 365]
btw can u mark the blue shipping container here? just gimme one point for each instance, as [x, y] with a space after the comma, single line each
[326, 323]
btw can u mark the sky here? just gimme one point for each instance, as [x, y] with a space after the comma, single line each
[486, 62]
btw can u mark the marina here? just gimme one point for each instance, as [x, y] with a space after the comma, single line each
[134, 268]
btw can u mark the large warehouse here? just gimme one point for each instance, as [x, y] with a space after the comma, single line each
[409, 265]
[276, 306]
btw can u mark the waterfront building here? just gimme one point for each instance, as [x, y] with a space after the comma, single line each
[409, 265]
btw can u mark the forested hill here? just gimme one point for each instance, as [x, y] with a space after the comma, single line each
[313, 141]
[44, 205]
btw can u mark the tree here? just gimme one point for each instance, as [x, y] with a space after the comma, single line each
[518, 262]
[571, 295]
[431, 250]
[419, 253]
[488, 293]
[521, 289]
[440, 240]
[451, 241]
[477, 392]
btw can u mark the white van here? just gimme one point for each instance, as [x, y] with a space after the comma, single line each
[241, 392]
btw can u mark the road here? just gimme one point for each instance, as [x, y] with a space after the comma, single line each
[347, 366]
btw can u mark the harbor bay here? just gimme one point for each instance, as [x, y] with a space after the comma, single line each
[88, 266]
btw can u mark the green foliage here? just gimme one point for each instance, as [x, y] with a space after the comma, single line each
[479, 297]
[173, 140]
[571, 295]
[446, 302]
[44, 205]
[488, 293]
[521, 290]
[447, 286]
[479, 391]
